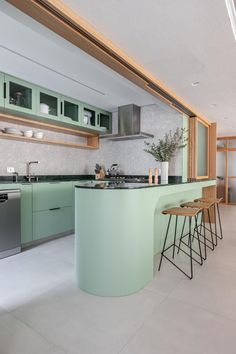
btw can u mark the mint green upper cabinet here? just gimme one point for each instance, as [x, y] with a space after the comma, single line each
[88, 116]
[19, 95]
[48, 104]
[96, 119]
[104, 120]
[70, 110]
[52, 195]
[1, 89]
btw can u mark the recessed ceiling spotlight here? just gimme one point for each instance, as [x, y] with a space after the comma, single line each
[195, 83]
[212, 105]
[231, 7]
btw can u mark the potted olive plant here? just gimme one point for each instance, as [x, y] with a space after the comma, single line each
[165, 149]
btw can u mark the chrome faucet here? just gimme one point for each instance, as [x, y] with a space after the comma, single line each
[29, 176]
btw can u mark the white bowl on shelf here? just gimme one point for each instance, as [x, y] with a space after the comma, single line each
[44, 108]
[14, 131]
[28, 133]
[38, 135]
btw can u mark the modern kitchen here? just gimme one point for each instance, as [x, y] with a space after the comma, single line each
[112, 211]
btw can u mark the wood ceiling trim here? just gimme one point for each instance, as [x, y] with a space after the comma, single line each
[60, 19]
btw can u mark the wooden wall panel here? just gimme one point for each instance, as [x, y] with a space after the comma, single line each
[212, 150]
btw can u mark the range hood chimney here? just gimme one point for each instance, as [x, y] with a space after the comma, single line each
[129, 125]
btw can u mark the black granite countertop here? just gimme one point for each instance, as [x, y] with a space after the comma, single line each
[131, 181]
[124, 185]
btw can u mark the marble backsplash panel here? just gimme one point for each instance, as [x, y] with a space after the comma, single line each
[129, 154]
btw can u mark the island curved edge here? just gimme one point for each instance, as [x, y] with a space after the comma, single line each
[117, 233]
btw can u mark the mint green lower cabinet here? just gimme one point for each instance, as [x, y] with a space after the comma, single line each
[52, 222]
[52, 195]
[26, 214]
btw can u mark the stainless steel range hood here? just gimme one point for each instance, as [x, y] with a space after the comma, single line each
[129, 125]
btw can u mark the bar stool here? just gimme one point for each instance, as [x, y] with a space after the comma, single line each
[216, 202]
[205, 208]
[184, 212]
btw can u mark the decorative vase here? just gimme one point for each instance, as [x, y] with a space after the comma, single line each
[164, 172]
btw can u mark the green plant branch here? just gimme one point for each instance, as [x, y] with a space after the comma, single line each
[166, 148]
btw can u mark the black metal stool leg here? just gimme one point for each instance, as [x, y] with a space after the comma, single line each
[182, 233]
[204, 235]
[218, 211]
[164, 245]
[176, 220]
[215, 225]
[190, 248]
[198, 238]
[209, 218]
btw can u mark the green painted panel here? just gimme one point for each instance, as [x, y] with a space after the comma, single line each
[114, 252]
[52, 195]
[104, 121]
[70, 111]
[26, 214]
[88, 116]
[20, 95]
[50, 99]
[185, 150]
[202, 153]
[1, 90]
[52, 222]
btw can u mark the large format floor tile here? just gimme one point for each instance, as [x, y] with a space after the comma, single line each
[83, 323]
[28, 274]
[17, 338]
[43, 311]
[179, 328]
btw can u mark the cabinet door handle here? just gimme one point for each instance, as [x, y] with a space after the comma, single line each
[4, 90]
[54, 208]
[98, 119]
[61, 109]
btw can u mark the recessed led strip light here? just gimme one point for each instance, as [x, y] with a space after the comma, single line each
[231, 7]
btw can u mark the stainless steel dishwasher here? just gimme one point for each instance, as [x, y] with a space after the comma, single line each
[10, 230]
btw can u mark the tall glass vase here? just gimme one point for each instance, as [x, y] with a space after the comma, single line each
[164, 172]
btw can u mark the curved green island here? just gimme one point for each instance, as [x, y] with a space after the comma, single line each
[119, 229]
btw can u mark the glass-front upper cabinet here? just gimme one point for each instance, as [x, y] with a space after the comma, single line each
[19, 95]
[48, 104]
[70, 110]
[88, 116]
[202, 149]
[2, 89]
[104, 120]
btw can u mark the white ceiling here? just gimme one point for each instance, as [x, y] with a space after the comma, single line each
[180, 42]
[34, 53]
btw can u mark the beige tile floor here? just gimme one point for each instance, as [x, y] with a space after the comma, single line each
[42, 311]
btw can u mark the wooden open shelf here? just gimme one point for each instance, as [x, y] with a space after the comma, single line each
[92, 139]
[45, 141]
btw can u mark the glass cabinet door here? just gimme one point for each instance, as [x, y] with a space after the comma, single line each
[48, 104]
[2, 89]
[70, 110]
[88, 116]
[19, 95]
[105, 121]
[202, 150]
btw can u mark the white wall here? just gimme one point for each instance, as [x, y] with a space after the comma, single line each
[60, 160]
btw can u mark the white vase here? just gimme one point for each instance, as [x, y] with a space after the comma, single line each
[164, 172]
